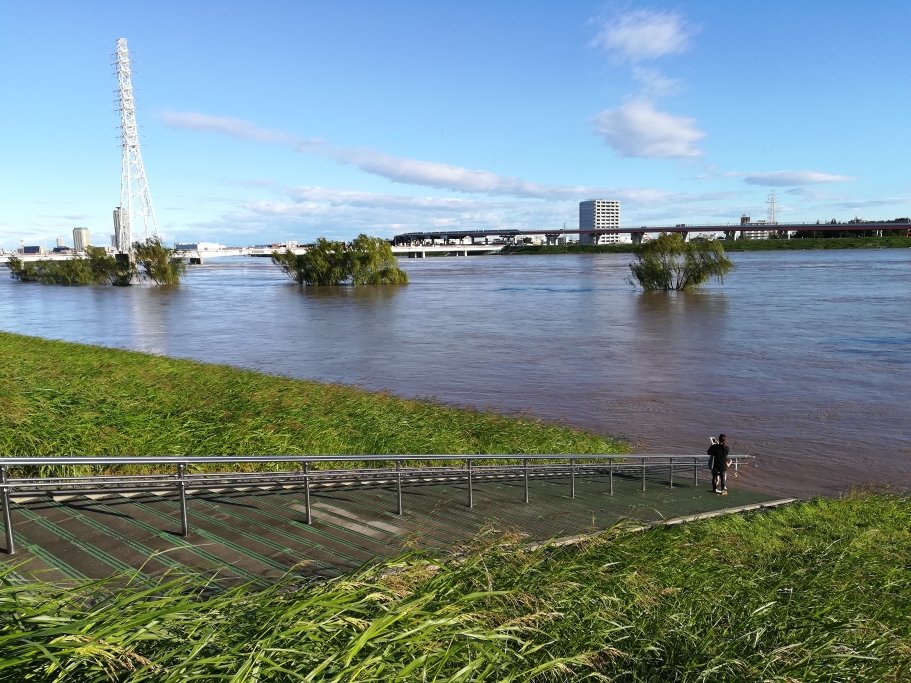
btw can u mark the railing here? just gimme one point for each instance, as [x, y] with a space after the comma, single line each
[181, 480]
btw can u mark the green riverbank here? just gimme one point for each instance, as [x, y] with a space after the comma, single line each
[732, 245]
[816, 591]
[58, 398]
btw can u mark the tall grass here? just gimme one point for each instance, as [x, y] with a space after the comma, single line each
[818, 591]
[59, 398]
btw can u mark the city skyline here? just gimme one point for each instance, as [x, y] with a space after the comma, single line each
[285, 122]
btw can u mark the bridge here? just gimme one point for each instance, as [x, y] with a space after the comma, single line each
[495, 236]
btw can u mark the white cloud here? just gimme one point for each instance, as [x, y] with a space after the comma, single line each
[645, 34]
[655, 134]
[654, 84]
[792, 178]
[870, 203]
[307, 212]
[722, 174]
[637, 129]
[235, 128]
[336, 197]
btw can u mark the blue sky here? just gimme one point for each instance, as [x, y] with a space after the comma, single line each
[290, 120]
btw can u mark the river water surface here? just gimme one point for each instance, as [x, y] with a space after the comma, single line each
[803, 358]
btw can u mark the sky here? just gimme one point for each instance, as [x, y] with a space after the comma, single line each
[269, 121]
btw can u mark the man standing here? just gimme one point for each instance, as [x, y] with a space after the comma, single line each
[719, 452]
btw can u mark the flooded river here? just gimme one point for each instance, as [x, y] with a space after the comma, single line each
[803, 358]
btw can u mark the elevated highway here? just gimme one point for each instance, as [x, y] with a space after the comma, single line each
[729, 229]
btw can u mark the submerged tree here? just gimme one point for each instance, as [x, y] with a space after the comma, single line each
[669, 262]
[118, 271]
[373, 263]
[365, 261]
[97, 267]
[158, 262]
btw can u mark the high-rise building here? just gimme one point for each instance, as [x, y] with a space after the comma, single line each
[61, 242]
[81, 239]
[598, 215]
[752, 234]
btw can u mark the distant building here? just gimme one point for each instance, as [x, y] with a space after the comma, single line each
[62, 249]
[752, 234]
[81, 239]
[198, 246]
[61, 242]
[600, 214]
[39, 250]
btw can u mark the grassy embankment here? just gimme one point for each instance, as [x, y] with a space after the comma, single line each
[58, 398]
[732, 245]
[817, 591]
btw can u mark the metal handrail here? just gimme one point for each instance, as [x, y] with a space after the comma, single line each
[183, 481]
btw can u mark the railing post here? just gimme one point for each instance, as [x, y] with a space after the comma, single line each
[610, 467]
[398, 483]
[695, 472]
[643, 473]
[572, 477]
[525, 467]
[309, 519]
[7, 512]
[182, 484]
[671, 461]
[470, 487]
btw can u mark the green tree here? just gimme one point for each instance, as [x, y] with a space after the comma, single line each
[669, 262]
[158, 262]
[95, 268]
[104, 267]
[366, 261]
[373, 263]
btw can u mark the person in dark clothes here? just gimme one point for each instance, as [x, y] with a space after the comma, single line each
[719, 452]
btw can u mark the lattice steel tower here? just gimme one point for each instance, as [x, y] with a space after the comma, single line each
[135, 210]
[772, 218]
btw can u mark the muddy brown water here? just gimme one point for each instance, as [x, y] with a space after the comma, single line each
[802, 358]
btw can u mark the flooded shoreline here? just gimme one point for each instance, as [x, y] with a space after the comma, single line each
[801, 357]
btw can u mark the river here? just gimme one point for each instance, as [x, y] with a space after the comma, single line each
[803, 358]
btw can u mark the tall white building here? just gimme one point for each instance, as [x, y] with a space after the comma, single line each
[601, 214]
[81, 239]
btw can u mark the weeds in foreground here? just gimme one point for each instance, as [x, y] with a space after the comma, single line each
[814, 592]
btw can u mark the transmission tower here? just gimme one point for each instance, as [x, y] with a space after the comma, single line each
[772, 218]
[135, 210]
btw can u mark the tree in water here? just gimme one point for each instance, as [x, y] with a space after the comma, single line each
[97, 267]
[158, 262]
[669, 262]
[365, 261]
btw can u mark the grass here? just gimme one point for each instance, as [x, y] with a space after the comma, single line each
[58, 399]
[731, 245]
[818, 591]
